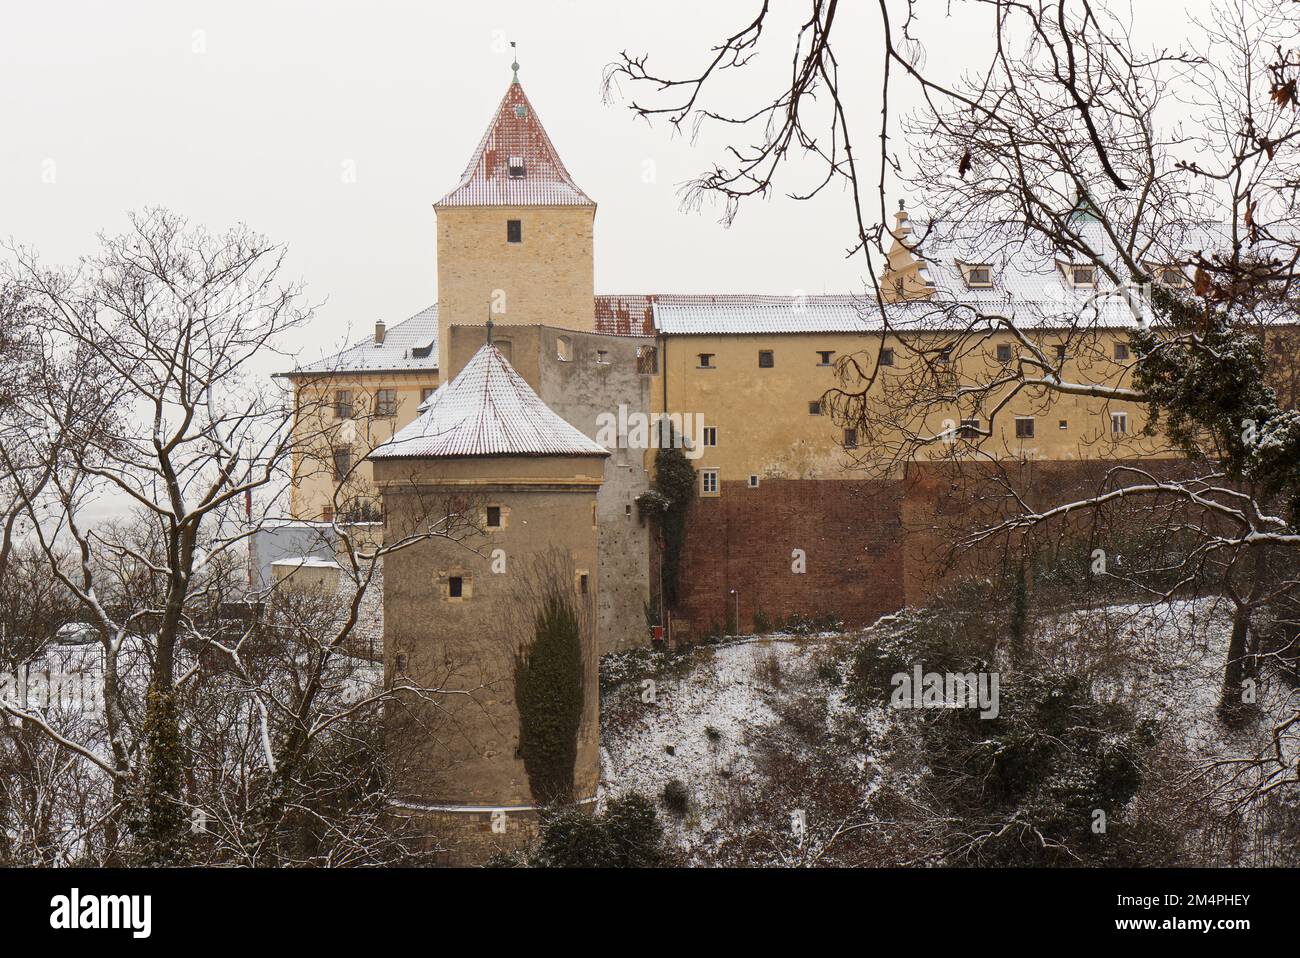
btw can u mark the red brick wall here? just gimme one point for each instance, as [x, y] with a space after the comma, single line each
[849, 530]
[872, 546]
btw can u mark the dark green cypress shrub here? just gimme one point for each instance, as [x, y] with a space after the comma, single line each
[549, 695]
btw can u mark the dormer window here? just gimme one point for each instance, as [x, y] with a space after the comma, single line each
[516, 167]
[1083, 275]
[521, 111]
[978, 275]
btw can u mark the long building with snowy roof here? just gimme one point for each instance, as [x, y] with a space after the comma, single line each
[751, 379]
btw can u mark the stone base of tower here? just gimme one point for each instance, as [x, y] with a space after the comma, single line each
[470, 836]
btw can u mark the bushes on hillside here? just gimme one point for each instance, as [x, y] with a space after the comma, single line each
[1047, 781]
[627, 835]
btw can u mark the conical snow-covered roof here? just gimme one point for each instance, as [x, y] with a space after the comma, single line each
[487, 410]
[515, 163]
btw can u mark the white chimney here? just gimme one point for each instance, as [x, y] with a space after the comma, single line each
[379, 332]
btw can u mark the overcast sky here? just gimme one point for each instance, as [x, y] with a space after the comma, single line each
[253, 112]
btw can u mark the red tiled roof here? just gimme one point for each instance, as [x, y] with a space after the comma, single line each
[515, 134]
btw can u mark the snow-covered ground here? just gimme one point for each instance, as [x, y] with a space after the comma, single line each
[706, 715]
[702, 728]
[1165, 661]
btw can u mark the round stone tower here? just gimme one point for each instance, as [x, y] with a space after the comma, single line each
[498, 495]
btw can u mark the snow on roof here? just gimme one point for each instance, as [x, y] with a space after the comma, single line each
[487, 410]
[861, 315]
[515, 163]
[632, 314]
[1031, 285]
[411, 344]
[307, 562]
[1025, 268]
[775, 315]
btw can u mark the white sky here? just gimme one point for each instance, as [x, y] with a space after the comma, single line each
[242, 111]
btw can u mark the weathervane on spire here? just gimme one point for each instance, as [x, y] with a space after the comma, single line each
[515, 66]
[489, 325]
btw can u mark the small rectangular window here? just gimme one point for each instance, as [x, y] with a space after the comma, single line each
[386, 403]
[602, 357]
[886, 357]
[850, 439]
[979, 276]
[343, 404]
[945, 356]
[815, 408]
[1025, 428]
[514, 231]
[1119, 423]
[969, 428]
[516, 165]
[825, 357]
[455, 586]
[582, 583]
[709, 482]
[426, 392]
[1121, 352]
[1083, 275]
[1060, 351]
[1063, 424]
[342, 463]
[494, 517]
[706, 361]
[753, 482]
[1004, 352]
[765, 360]
[710, 435]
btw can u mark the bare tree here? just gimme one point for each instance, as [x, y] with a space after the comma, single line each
[151, 394]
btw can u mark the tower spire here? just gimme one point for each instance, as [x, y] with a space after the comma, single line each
[515, 66]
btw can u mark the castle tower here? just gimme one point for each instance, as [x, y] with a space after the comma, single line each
[515, 235]
[458, 608]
